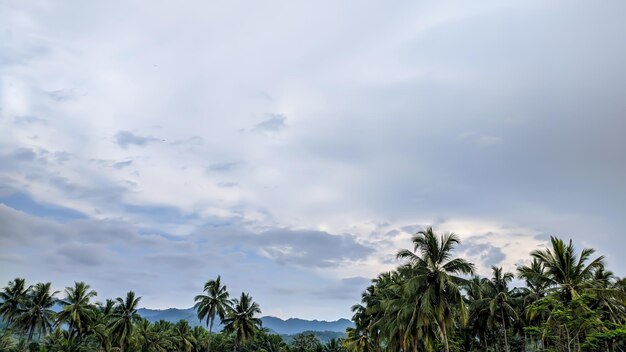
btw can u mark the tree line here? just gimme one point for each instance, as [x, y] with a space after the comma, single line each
[434, 302]
[34, 319]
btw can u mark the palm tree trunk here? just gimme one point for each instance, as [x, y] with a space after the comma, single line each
[506, 341]
[210, 335]
[30, 336]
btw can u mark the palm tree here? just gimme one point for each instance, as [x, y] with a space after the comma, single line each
[499, 299]
[77, 310]
[124, 317]
[240, 320]
[479, 317]
[59, 340]
[435, 276]
[13, 299]
[183, 336]
[272, 343]
[357, 341]
[566, 270]
[200, 337]
[215, 302]
[38, 314]
[334, 345]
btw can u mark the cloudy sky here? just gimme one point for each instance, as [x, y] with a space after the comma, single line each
[294, 147]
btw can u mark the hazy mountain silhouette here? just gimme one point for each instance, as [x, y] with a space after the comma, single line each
[288, 327]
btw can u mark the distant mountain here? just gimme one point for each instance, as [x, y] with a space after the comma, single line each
[290, 326]
[172, 315]
[294, 325]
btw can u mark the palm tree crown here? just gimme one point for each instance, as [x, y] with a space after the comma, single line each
[566, 270]
[434, 276]
[38, 315]
[241, 320]
[124, 317]
[77, 310]
[13, 299]
[215, 302]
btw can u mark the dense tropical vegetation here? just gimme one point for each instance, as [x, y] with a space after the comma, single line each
[434, 302]
[35, 318]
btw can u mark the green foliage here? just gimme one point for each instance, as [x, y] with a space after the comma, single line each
[613, 338]
[306, 342]
[570, 303]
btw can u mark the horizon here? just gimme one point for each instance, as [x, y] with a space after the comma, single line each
[294, 148]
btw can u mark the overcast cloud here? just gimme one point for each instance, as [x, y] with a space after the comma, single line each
[293, 147]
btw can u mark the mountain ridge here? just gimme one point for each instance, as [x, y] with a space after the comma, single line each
[278, 325]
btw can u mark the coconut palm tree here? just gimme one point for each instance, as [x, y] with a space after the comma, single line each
[241, 321]
[499, 299]
[37, 315]
[435, 277]
[77, 311]
[123, 318]
[183, 336]
[272, 343]
[357, 341]
[200, 338]
[13, 298]
[215, 302]
[334, 345]
[479, 314]
[567, 271]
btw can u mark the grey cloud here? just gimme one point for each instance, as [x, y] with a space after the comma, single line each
[392, 233]
[61, 157]
[122, 164]
[412, 229]
[125, 139]
[227, 184]
[177, 261]
[16, 157]
[346, 289]
[105, 193]
[222, 167]
[275, 123]
[191, 141]
[61, 94]
[299, 247]
[484, 253]
[84, 254]
[27, 120]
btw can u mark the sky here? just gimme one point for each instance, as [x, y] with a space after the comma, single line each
[294, 147]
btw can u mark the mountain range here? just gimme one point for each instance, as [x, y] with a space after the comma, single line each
[284, 327]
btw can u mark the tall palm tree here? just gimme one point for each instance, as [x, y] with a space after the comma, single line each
[241, 320]
[479, 317]
[124, 317]
[215, 302]
[13, 298]
[566, 270]
[77, 310]
[38, 315]
[435, 275]
[500, 300]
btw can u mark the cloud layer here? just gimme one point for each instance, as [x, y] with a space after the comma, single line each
[155, 148]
